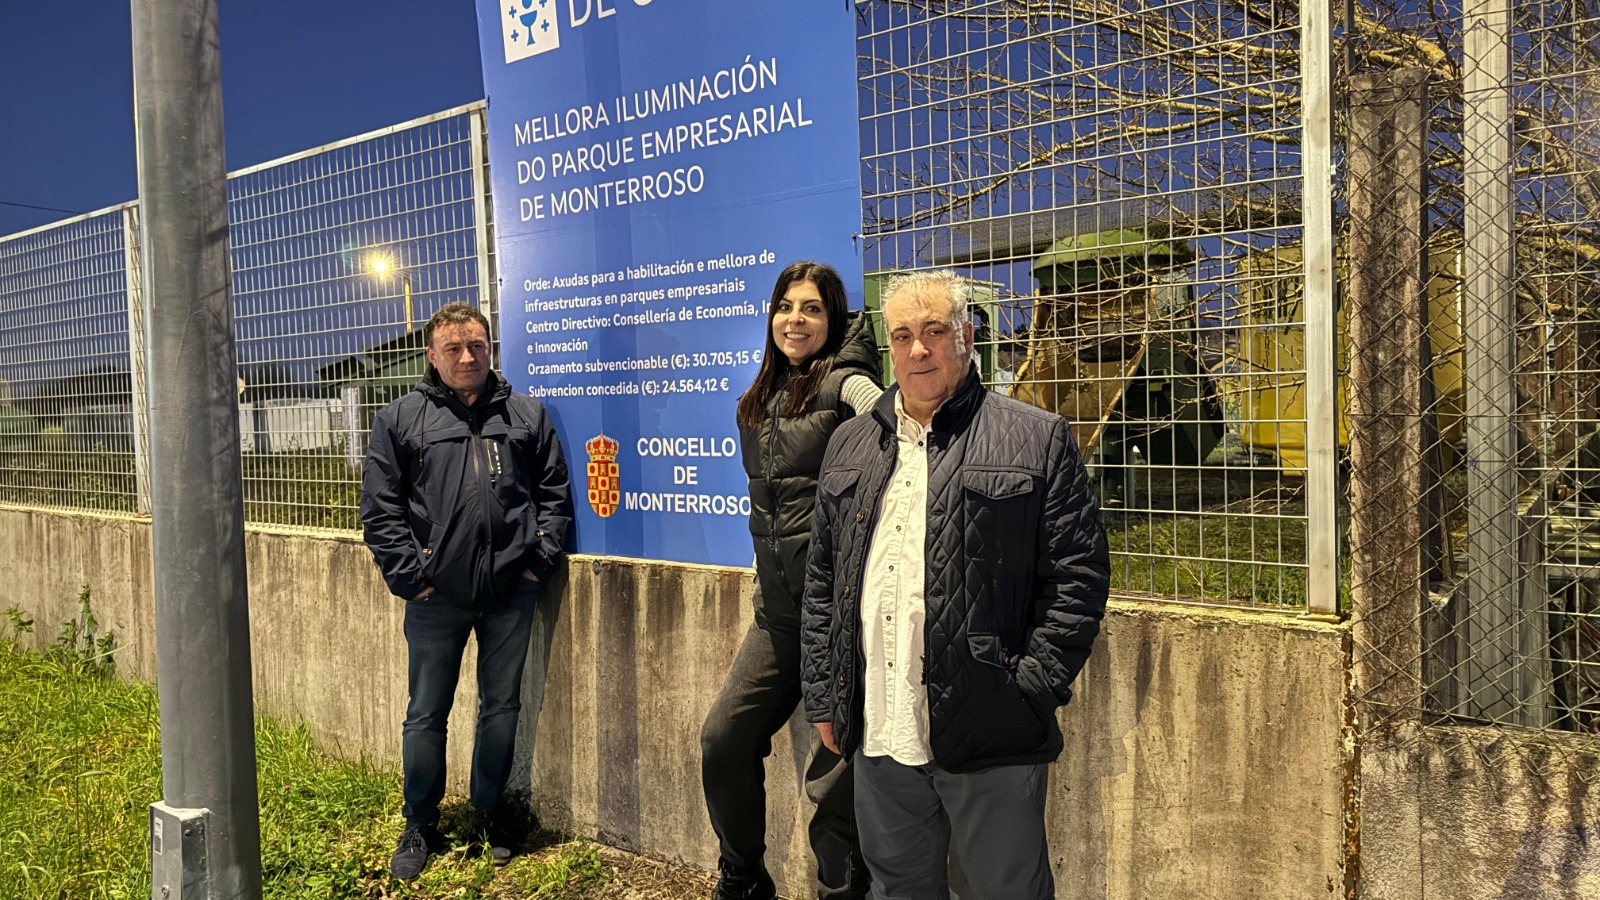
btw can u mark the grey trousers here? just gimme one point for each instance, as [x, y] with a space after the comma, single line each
[761, 693]
[925, 831]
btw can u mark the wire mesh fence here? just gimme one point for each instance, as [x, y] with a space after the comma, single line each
[340, 255]
[1482, 606]
[66, 392]
[1123, 184]
[1127, 189]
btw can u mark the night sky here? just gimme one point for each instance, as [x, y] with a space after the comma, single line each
[295, 74]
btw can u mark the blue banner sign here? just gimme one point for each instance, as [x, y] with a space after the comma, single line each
[656, 164]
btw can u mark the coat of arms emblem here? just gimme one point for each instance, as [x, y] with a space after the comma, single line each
[605, 487]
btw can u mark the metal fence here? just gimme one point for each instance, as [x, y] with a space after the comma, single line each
[1475, 364]
[66, 392]
[1144, 197]
[1137, 199]
[1135, 195]
[339, 254]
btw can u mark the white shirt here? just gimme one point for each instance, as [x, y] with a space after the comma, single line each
[892, 607]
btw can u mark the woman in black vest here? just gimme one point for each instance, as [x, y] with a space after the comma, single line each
[821, 366]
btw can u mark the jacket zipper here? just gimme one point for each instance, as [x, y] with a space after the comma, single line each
[766, 473]
[927, 537]
[478, 466]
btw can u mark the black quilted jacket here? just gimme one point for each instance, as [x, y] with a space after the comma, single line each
[782, 459]
[1016, 580]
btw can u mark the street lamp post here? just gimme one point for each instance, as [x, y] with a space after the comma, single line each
[381, 265]
[205, 839]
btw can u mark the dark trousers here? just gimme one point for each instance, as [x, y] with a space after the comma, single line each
[928, 833]
[436, 636]
[761, 693]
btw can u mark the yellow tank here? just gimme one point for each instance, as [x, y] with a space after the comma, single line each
[1265, 387]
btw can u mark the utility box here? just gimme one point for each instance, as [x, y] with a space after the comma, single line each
[178, 853]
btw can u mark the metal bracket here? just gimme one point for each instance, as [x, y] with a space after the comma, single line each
[178, 853]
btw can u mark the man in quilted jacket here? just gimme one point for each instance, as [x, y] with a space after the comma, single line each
[955, 584]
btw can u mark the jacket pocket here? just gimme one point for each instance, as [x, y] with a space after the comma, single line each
[1016, 722]
[986, 648]
[425, 535]
[1000, 508]
[836, 490]
[836, 483]
[997, 484]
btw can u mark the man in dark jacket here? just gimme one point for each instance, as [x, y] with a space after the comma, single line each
[465, 506]
[957, 577]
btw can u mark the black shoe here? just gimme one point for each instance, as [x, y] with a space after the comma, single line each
[734, 883]
[411, 855]
[503, 839]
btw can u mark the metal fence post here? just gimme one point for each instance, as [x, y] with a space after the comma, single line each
[1322, 502]
[488, 286]
[1492, 688]
[137, 359]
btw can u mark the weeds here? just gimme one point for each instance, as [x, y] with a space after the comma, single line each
[80, 762]
[1248, 561]
[81, 647]
[18, 622]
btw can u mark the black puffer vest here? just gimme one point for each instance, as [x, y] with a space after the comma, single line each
[782, 459]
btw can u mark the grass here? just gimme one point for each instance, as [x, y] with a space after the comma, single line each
[80, 761]
[313, 489]
[59, 475]
[1230, 559]
[1231, 533]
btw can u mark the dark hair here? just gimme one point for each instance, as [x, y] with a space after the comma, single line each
[456, 313]
[803, 385]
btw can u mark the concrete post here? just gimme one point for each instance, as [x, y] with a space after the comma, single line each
[1389, 399]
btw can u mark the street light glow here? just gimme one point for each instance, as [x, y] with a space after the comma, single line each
[380, 265]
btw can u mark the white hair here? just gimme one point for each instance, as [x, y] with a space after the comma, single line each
[936, 284]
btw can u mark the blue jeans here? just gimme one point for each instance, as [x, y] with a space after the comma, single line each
[436, 636]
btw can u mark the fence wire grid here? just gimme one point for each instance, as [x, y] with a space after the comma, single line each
[1474, 367]
[66, 391]
[1123, 186]
[1127, 190]
[339, 255]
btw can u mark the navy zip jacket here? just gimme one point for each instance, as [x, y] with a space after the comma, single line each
[464, 499]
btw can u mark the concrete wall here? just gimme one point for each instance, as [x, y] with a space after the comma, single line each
[1479, 814]
[1206, 752]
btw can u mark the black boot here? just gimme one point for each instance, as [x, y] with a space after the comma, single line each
[502, 835]
[734, 883]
